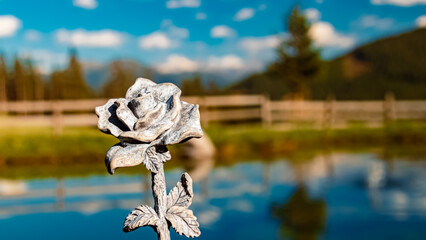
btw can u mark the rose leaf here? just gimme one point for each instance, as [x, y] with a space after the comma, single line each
[125, 156]
[139, 217]
[181, 195]
[183, 221]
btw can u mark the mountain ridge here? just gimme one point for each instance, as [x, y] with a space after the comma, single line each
[393, 64]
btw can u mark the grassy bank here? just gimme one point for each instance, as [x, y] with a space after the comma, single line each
[80, 151]
[229, 140]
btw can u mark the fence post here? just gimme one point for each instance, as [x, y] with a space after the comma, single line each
[3, 96]
[3, 108]
[328, 118]
[266, 111]
[388, 108]
[57, 119]
[204, 111]
[291, 112]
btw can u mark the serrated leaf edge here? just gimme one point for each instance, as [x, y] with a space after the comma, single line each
[142, 209]
[184, 185]
[189, 230]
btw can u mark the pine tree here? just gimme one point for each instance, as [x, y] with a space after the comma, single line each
[121, 79]
[192, 86]
[55, 87]
[19, 81]
[148, 73]
[35, 82]
[298, 63]
[3, 80]
[213, 89]
[74, 83]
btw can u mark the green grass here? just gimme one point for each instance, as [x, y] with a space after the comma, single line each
[37, 152]
[39, 142]
[42, 142]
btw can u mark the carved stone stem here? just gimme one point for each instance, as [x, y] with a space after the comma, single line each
[160, 200]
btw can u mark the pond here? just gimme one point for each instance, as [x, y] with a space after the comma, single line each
[337, 195]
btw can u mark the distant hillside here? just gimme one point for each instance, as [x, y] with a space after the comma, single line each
[99, 74]
[396, 64]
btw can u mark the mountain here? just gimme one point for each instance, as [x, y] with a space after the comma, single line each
[396, 64]
[97, 74]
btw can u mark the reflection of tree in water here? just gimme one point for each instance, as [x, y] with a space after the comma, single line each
[301, 217]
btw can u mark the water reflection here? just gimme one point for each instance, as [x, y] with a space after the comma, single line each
[331, 195]
[301, 217]
[198, 161]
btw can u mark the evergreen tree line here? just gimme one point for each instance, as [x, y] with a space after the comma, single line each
[194, 87]
[22, 82]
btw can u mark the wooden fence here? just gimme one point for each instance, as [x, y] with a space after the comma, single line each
[226, 109]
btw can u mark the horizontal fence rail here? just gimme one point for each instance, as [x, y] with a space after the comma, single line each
[234, 108]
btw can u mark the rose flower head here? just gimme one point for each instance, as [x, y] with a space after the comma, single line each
[150, 117]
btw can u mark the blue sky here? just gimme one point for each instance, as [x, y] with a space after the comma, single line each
[176, 36]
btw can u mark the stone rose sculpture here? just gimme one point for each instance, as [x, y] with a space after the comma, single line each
[149, 118]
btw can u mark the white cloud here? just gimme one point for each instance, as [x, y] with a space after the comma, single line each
[244, 14]
[240, 205]
[183, 3]
[255, 44]
[324, 35]
[198, 46]
[84, 38]
[228, 62]
[9, 25]
[262, 7]
[45, 60]
[207, 218]
[155, 40]
[173, 31]
[178, 32]
[177, 64]
[402, 3]
[421, 21]
[312, 14]
[373, 21]
[168, 37]
[320, 1]
[32, 35]
[87, 4]
[201, 16]
[222, 31]
[180, 64]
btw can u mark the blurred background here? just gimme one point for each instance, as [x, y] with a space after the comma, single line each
[314, 113]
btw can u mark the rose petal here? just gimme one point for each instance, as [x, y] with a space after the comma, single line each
[150, 117]
[164, 91]
[125, 156]
[108, 121]
[125, 114]
[175, 105]
[187, 127]
[136, 89]
[150, 128]
[141, 105]
[147, 135]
